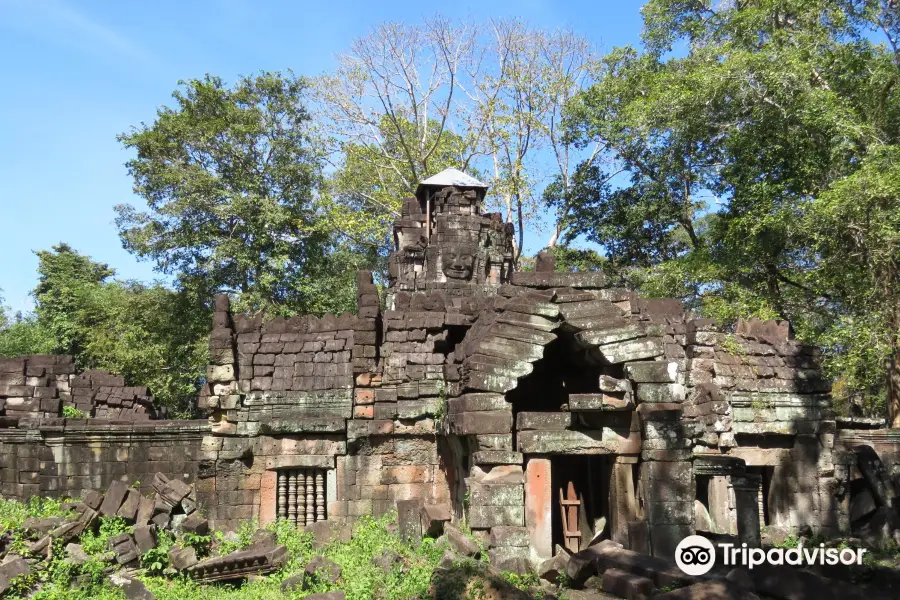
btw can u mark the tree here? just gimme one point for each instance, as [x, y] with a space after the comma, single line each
[21, 335]
[719, 152]
[148, 334]
[230, 176]
[495, 91]
[856, 231]
[64, 276]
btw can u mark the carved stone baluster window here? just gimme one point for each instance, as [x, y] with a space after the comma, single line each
[302, 495]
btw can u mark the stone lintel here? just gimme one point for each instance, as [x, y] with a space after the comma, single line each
[309, 461]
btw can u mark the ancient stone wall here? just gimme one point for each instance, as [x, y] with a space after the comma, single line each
[41, 385]
[67, 457]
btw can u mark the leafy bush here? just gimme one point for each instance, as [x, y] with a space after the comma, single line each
[98, 543]
[70, 412]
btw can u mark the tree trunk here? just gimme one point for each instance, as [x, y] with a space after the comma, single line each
[893, 379]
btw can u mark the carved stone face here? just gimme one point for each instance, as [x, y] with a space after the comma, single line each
[457, 263]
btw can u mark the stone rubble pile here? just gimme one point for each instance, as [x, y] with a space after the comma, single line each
[39, 386]
[172, 508]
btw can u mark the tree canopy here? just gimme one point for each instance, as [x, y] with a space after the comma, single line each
[734, 155]
[231, 179]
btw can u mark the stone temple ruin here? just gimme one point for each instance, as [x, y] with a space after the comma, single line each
[541, 408]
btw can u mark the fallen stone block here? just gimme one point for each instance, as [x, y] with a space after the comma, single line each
[551, 568]
[10, 570]
[321, 569]
[409, 520]
[125, 549]
[510, 559]
[75, 555]
[788, 583]
[434, 516]
[145, 537]
[627, 585]
[239, 565]
[460, 542]
[130, 505]
[196, 524]
[42, 527]
[387, 559]
[182, 558]
[293, 583]
[113, 499]
[709, 590]
[133, 589]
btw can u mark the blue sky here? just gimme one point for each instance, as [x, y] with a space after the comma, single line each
[78, 73]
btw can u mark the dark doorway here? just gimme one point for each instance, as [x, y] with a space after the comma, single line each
[586, 481]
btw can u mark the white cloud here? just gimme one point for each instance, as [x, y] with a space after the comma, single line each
[60, 22]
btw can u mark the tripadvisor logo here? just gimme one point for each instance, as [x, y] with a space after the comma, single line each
[696, 555]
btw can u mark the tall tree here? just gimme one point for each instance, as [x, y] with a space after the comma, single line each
[64, 276]
[496, 90]
[230, 177]
[149, 334]
[724, 146]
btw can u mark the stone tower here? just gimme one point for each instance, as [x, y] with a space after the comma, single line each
[443, 243]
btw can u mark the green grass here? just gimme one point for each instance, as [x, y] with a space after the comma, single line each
[360, 579]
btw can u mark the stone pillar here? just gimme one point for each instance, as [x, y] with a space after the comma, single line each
[746, 494]
[721, 505]
[622, 500]
[538, 507]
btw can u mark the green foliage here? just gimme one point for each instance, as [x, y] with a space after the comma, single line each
[753, 173]
[70, 412]
[98, 543]
[13, 513]
[230, 177]
[155, 560]
[200, 543]
[21, 335]
[148, 334]
[244, 532]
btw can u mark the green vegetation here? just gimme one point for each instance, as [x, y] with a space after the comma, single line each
[754, 173]
[413, 573]
[70, 412]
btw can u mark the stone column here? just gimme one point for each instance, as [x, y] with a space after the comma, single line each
[539, 507]
[746, 495]
[622, 500]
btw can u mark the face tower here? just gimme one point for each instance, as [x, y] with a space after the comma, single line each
[443, 243]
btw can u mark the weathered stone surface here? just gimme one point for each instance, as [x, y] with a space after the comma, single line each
[321, 569]
[497, 457]
[627, 585]
[409, 519]
[113, 499]
[477, 402]
[599, 402]
[182, 558]
[643, 349]
[789, 583]
[460, 542]
[485, 517]
[709, 590]
[434, 517]
[551, 568]
[11, 569]
[509, 559]
[145, 538]
[543, 420]
[659, 371]
[472, 423]
[605, 441]
[515, 537]
[125, 549]
[496, 494]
